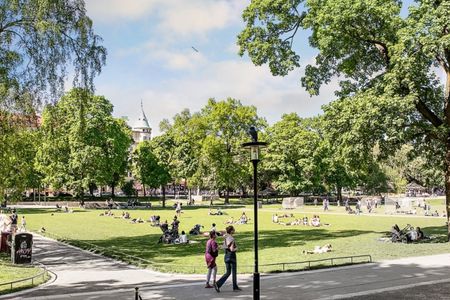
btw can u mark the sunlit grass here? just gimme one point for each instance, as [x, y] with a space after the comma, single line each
[348, 234]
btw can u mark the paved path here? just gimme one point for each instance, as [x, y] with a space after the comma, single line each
[83, 275]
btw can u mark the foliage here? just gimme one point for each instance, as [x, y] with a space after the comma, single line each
[223, 158]
[80, 139]
[385, 64]
[39, 39]
[151, 164]
[17, 153]
[128, 188]
[293, 157]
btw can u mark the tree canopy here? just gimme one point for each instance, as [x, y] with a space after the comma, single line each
[385, 63]
[40, 41]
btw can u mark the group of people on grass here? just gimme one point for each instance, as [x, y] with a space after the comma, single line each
[243, 219]
[278, 219]
[9, 223]
[407, 234]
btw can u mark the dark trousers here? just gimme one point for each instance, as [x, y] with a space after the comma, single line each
[231, 269]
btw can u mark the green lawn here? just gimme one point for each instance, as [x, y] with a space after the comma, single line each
[11, 272]
[348, 234]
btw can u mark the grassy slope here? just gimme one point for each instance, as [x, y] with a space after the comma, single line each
[349, 235]
[11, 272]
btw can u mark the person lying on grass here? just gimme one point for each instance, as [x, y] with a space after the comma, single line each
[319, 250]
[293, 223]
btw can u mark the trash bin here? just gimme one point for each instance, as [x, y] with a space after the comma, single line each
[4, 245]
[21, 248]
[259, 204]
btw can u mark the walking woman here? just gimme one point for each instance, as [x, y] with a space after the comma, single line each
[230, 260]
[211, 252]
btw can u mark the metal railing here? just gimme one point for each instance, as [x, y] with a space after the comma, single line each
[274, 267]
[42, 274]
[311, 264]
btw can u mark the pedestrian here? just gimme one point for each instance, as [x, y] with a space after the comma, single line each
[24, 224]
[13, 219]
[229, 244]
[211, 252]
[178, 209]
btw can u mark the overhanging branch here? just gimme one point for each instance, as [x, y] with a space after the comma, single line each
[428, 114]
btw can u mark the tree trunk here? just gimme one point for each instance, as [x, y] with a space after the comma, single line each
[339, 193]
[447, 156]
[163, 196]
[143, 189]
[227, 195]
[190, 196]
[113, 185]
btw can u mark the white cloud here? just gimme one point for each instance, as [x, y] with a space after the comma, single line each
[273, 96]
[170, 18]
[109, 11]
[199, 17]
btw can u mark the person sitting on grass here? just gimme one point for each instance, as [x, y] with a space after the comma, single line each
[183, 238]
[420, 234]
[305, 221]
[126, 215]
[243, 219]
[154, 220]
[275, 218]
[319, 250]
[315, 221]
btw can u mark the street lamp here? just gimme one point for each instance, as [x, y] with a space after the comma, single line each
[254, 146]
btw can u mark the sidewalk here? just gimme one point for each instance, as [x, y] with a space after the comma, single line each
[83, 275]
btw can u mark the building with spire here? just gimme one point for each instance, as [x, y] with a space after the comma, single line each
[141, 129]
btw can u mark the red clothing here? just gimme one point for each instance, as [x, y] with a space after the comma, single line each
[211, 253]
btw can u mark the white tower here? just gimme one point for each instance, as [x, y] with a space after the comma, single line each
[141, 129]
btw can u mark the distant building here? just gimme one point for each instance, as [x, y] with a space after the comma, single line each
[141, 129]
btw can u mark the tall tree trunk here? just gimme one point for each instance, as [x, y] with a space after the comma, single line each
[163, 196]
[143, 188]
[190, 196]
[339, 193]
[447, 156]
[447, 185]
[113, 185]
[227, 195]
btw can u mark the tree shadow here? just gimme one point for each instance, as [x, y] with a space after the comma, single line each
[148, 248]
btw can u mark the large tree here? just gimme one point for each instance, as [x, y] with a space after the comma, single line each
[151, 164]
[293, 156]
[40, 43]
[39, 40]
[117, 140]
[385, 63]
[186, 132]
[228, 123]
[82, 143]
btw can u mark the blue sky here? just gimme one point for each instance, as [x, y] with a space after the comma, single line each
[150, 58]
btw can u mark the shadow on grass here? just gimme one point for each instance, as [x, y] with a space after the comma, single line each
[147, 247]
[434, 234]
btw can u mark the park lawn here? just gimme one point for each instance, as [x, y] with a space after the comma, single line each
[10, 272]
[348, 234]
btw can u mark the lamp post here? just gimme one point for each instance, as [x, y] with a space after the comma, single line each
[254, 146]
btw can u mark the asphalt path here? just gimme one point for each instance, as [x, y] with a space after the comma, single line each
[79, 274]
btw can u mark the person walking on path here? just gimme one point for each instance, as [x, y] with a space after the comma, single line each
[211, 252]
[230, 260]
